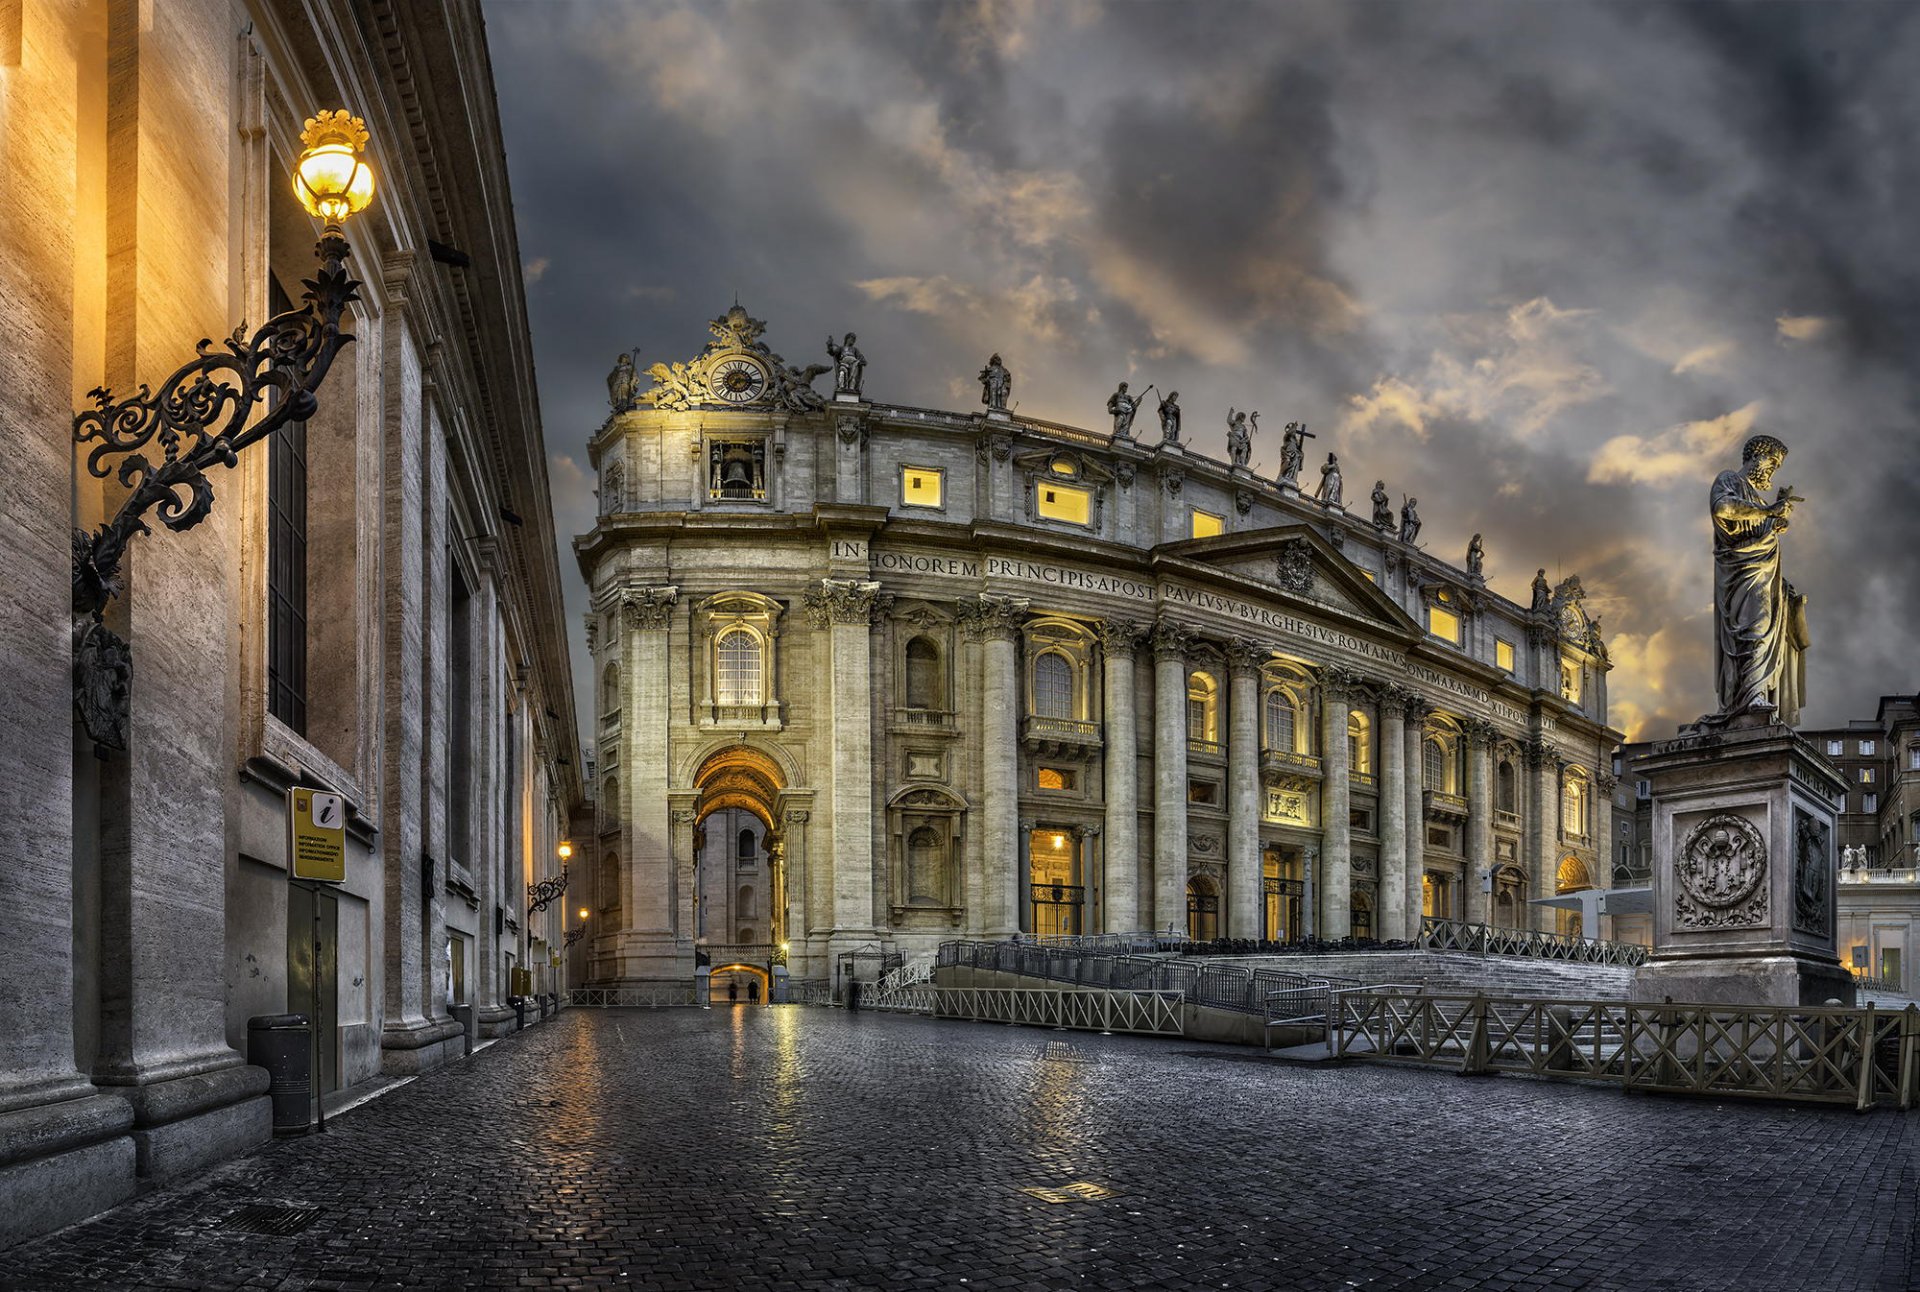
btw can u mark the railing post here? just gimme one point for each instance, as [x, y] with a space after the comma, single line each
[1475, 1062]
[1864, 1094]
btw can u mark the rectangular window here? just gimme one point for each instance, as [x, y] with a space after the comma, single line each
[1203, 792]
[1503, 655]
[921, 486]
[1059, 502]
[1869, 802]
[1444, 624]
[1890, 964]
[1439, 836]
[1206, 524]
[1569, 681]
[1866, 775]
[1833, 748]
[1913, 758]
[1643, 789]
[1055, 778]
[1867, 748]
[287, 563]
[1360, 820]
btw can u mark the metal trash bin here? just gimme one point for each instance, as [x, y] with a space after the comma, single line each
[463, 1014]
[283, 1045]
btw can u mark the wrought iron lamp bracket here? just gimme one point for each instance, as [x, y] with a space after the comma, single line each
[545, 893]
[198, 417]
[574, 935]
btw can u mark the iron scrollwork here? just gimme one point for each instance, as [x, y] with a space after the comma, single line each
[573, 936]
[545, 893]
[198, 417]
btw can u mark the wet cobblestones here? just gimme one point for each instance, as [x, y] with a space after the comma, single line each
[793, 1148]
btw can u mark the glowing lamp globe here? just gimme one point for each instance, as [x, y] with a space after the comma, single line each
[565, 850]
[332, 179]
[583, 915]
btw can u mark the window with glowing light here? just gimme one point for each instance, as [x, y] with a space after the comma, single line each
[1053, 872]
[1063, 502]
[1053, 686]
[1444, 624]
[1202, 709]
[1570, 681]
[1206, 524]
[1359, 744]
[921, 486]
[737, 667]
[1503, 654]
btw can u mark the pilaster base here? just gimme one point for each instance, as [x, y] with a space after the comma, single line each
[187, 1123]
[63, 1162]
[1792, 981]
[408, 1048]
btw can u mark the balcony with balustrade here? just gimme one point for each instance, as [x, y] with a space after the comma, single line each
[1060, 737]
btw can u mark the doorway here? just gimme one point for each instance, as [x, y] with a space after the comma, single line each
[300, 907]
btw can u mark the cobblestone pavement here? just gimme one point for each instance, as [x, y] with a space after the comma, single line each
[809, 1149]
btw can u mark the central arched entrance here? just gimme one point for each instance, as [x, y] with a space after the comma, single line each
[739, 984]
[740, 881]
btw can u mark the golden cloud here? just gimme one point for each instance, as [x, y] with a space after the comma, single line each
[1691, 451]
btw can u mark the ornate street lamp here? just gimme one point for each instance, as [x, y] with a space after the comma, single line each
[199, 416]
[545, 893]
[574, 935]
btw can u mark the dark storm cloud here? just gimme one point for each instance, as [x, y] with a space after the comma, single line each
[1543, 265]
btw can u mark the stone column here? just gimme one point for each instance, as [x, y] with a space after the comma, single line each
[1336, 807]
[845, 609]
[1243, 789]
[1543, 831]
[1393, 814]
[1478, 903]
[691, 920]
[646, 614]
[1416, 834]
[1119, 638]
[1170, 641]
[1605, 846]
[995, 623]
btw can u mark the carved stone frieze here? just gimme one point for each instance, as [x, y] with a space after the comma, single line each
[1123, 472]
[1607, 782]
[851, 430]
[1293, 566]
[1394, 699]
[735, 369]
[1206, 844]
[1338, 681]
[649, 609]
[992, 618]
[797, 816]
[1171, 478]
[1720, 875]
[846, 601]
[1812, 875]
[1480, 731]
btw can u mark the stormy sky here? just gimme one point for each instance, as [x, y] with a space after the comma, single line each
[1545, 265]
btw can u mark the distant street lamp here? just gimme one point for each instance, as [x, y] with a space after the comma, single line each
[574, 935]
[199, 415]
[565, 850]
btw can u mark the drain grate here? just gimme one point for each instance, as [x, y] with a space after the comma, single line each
[1061, 1052]
[266, 1218]
[1078, 1191]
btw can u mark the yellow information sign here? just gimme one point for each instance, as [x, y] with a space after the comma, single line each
[317, 835]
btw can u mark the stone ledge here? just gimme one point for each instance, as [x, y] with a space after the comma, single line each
[64, 1126]
[160, 1102]
[177, 1148]
[46, 1193]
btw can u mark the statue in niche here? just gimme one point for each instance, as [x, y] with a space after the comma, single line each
[1239, 438]
[1410, 521]
[1330, 484]
[1476, 558]
[1170, 418]
[1760, 622]
[623, 384]
[1382, 506]
[1542, 594]
[849, 366]
[1293, 451]
[1123, 406]
[996, 384]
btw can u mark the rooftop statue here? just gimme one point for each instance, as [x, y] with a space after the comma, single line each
[1476, 558]
[1239, 438]
[1123, 406]
[1382, 506]
[1542, 593]
[1410, 521]
[849, 366]
[1293, 451]
[1329, 493]
[1170, 418]
[996, 383]
[1759, 621]
[623, 384]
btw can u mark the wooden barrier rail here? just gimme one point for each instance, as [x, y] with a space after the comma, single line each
[1146, 1013]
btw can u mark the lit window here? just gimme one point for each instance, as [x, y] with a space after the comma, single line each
[1503, 655]
[1200, 707]
[1368, 575]
[1206, 524]
[1359, 756]
[1867, 748]
[920, 486]
[1444, 624]
[736, 678]
[1866, 775]
[1052, 686]
[1064, 467]
[1833, 748]
[1573, 806]
[1569, 681]
[1058, 502]
[1283, 722]
[1054, 778]
[1203, 792]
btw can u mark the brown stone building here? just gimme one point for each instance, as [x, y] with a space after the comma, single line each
[372, 607]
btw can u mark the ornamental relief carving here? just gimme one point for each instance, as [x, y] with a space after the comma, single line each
[1720, 875]
[1119, 636]
[1812, 875]
[998, 618]
[1293, 566]
[649, 608]
[846, 601]
[1171, 639]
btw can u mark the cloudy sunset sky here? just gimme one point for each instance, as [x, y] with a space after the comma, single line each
[1543, 265]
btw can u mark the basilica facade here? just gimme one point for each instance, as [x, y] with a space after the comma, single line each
[937, 674]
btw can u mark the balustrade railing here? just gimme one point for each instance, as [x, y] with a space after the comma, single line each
[1490, 939]
[1829, 1055]
[1242, 988]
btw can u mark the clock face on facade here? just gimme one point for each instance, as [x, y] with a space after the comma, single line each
[737, 380]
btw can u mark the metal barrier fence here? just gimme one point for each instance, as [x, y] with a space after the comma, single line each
[1234, 987]
[652, 996]
[1147, 1013]
[1107, 943]
[809, 991]
[1491, 939]
[1827, 1055]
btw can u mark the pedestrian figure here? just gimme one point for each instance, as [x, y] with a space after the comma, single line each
[753, 993]
[733, 992]
[853, 995]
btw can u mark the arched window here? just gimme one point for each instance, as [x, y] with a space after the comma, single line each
[1202, 694]
[736, 677]
[1359, 743]
[1434, 768]
[609, 889]
[744, 845]
[1507, 791]
[1571, 876]
[924, 689]
[610, 690]
[610, 803]
[1573, 804]
[1052, 686]
[926, 882]
[1283, 721]
[1440, 759]
[744, 908]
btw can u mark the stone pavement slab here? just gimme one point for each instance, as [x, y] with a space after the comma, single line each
[795, 1148]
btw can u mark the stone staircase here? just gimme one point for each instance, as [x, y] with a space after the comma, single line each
[1459, 972]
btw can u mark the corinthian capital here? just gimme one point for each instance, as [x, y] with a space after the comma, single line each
[992, 618]
[1335, 680]
[1480, 731]
[1394, 700]
[1245, 657]
[648, 608]
[845, 601]
[1171, 639]
[1119, 636]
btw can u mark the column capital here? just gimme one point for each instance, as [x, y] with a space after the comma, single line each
[1120, 636]
[1171, 639]
[1541, 754]
[1339, 681]
[1244, 658]
[1394, 700]
[992, 618]
[1480, 732]
[1417, 707]
[1607, 782]
[846, 601]
[649, 608]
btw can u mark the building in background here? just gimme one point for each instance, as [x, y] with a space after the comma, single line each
[372, 607]
[978, 674]
[1879, 840]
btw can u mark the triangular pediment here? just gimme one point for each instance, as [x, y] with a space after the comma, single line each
[1296, 563]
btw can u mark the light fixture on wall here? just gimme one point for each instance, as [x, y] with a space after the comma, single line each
[565, 850]
[200, 414]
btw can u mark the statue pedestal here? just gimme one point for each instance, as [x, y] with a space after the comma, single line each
[1743, 870]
